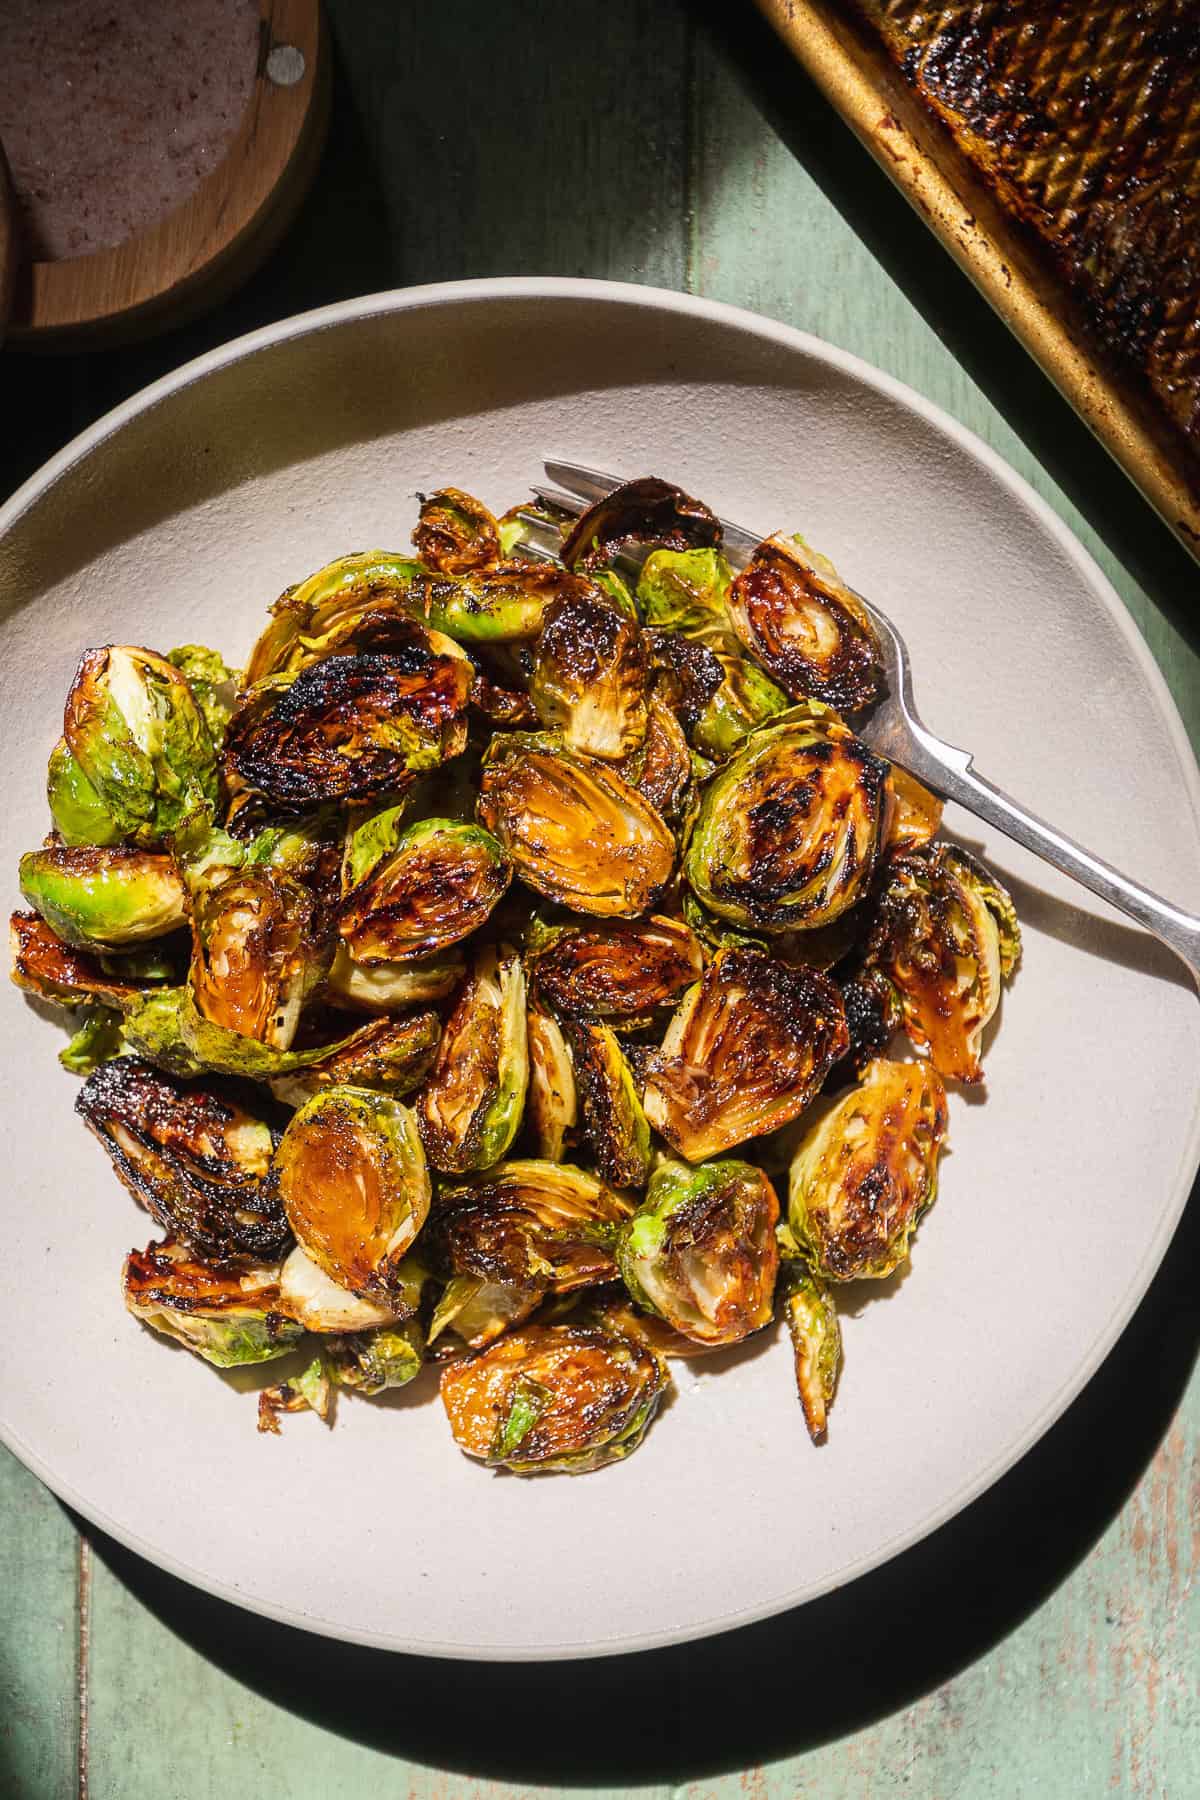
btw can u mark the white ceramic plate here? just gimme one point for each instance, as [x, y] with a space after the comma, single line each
[180, 517]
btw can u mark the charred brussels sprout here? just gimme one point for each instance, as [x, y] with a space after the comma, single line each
[471, 1105]
[867, 1170]
[646, 510]
[214, 686]
[257, 954]
[662, 768]
[686, 591]
[946, 937]
[137, 734]
[590, 676]
[623, 972]
[192, 1153]
[110, 897]
[384, 987]
[788, 832]
[352, 727]
[456, 532]
[873, 1014]
[351, 1174]
[80, 815]
[373, 1361]
[229, 1318]
[701, 1251]
[553, 1398]
[307, 1294]
[44, 965]
[816, 1336]
[575, 831]
[309, 620]
[438, 885]
[747, 1050]
[503, 604]
[392, 1054]
[552, 1103]
[799, 619]
[743, 700]
[614, 1121]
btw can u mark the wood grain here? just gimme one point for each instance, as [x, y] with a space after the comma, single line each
[206, 246]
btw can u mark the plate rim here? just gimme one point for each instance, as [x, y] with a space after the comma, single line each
[744, 320]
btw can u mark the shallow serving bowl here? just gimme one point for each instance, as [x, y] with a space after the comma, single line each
[180, 517]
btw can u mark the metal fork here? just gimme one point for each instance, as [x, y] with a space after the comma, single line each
[896, 731]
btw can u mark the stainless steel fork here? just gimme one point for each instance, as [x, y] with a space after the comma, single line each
[896, 731]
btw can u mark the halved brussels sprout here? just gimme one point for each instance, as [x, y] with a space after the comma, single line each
[44, 965]
[111, 896]
[946, 937]
[746, 1051]
[97, 1040]
[137, 734]
[351, 727]
[455, 532]
[701, 1251]
[816, 1337]
[503, 604]
[590, 676]
[437, 886]
[798, 618]
[192, 1153]
[646, 510]
[873, 1014]
[685, 591]
[743, 700]
[916, 813]
[481, 1307]
[501, 691]
[257, 953]
[576, 832]
[306, 1293]
[387, 987]
[788, 832]
[614, 1122]
[662, 768]
[214, 685]
[866, 1171]
[324, 608]
[373, 1361]
[553, 1398]
[80, 815]
[471, 1105]
[623, 972]
[352, 1177]
[229, 1318]
[394, 1055]
[552, 1103]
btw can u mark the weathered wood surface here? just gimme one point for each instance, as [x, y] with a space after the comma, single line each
[1046, 1642]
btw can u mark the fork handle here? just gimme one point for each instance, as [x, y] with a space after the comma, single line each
[949, 771]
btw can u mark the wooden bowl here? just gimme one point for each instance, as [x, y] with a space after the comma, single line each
[203, 249]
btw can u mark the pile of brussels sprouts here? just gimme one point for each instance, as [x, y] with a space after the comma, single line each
[429, 970]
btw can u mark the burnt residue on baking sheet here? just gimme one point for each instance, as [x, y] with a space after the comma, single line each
[1084, 116]
[114, 111]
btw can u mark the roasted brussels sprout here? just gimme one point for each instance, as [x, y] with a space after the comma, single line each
[352, 727]
[701, 1251]
[97, 1040]
[873, 1015]
[916, 813]
[257, 953]
[646, 510]
[351, 1174]
[166, 1028]
[214, 686]
[394, 1055]
[371, 834]
[743, 699]
[816, 1337]
[946, 937]
[799, 619]
[788, 832]
[685, 591]
[590, 676]
[372, 1361]
[614, 1122]
[112, 896]
[552, 1103]
[501, 691]
[866, 1171]
[311, 619]
[307, 1294]
[471, 1105]
[576, 832]
[438, 885]
[193, 1154]
[456, 532]
[747, 1050]
[662, 768]
[137, 734]
[623, 972]
[502, 604]
[228, 1317]
[44, 965]
[80, 815]
[387, 987]
[553, 1398]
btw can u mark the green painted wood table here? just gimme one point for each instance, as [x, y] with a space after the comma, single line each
[1046, 1642]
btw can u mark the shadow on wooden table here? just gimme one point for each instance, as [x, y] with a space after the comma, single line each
[770, 1690]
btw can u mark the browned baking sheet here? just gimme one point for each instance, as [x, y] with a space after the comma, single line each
[1055, 149]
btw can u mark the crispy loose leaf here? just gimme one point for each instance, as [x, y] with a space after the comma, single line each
[455, 532]
[816, 1335]
[43, 964]
[646, 510]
